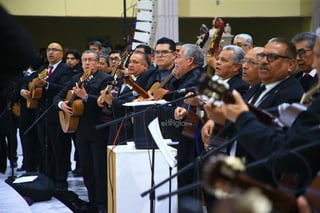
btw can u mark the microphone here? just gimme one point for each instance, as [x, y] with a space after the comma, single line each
[186, 90]
[183, 90]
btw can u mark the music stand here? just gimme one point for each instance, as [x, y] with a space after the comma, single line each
[141, 135]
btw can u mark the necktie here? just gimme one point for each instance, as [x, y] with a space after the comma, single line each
[50, 71]
[257, 94]
[305, 81]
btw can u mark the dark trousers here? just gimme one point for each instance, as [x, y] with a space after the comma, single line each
[93, 160]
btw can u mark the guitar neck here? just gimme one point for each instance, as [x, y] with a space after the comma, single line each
[262, 115]
[165, 81]
[128, 80]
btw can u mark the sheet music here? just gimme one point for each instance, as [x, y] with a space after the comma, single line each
[154, 129]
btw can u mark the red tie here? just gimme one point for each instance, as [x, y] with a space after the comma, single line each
[50, 71]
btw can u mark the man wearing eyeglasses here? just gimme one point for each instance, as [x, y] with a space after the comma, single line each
[54, 161]
[244, 41]
[91, 143]
[306, 74]
[264, 141]
[276, 63]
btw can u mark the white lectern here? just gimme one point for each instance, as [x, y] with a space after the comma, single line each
[129, 174]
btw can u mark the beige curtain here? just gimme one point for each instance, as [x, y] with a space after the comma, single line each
[167, 20]
[315, 14]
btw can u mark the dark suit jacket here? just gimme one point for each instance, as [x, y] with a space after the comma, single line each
[145, 81]
[60, 77]
[288, 91]
[238, 84]
[309, 84]
[264, 142]
[92, 112]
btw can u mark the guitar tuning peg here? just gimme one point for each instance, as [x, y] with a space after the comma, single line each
[217, 103]
[215, 78]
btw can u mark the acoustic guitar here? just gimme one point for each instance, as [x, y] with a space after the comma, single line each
[193, 116]
[223, 176]
[158, 91]
[129, 81]
[35, 92]
[215, 90]
[123, 60]
[214, 46]
[69, 124]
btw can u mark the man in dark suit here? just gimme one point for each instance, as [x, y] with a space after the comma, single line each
[173, 117]
[137, 69]
[91, 143]
[264, 141]
[54, 146]
[280, 87]
[306, 74]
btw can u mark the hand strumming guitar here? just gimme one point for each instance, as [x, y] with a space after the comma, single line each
[215, 113]
[80, 91]
[39, 82]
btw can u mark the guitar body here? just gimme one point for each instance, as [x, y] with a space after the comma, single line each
[16, 109]
[69, 124]
[161, 94]
[32, 103]
[191, 123]
[36, 92]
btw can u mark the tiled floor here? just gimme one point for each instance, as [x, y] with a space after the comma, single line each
[12, 202]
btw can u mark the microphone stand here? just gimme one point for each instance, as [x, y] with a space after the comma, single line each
[251, 165]
[196, 161]
[38, 119]
[115, 121]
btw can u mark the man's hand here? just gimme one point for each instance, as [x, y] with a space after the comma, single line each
[38, 82]
[80, 91]
[25, 93]
[206, 132]
[215, 113]
[104, 97]
[179, 113]
[66, 108]
[303, 205]
[232, 111]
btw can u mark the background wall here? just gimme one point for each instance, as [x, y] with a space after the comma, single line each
[75, 32]
[75, 22]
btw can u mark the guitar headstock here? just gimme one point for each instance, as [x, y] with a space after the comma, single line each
[203, 37]
[219, 172]
[219, 23]
[215, 39]
[85, 75]
[43, 74]
[214, 90]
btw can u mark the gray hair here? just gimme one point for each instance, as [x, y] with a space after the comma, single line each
[92, 51]
[238, 53]
[247, 38]
[192, 50]
[310, 37]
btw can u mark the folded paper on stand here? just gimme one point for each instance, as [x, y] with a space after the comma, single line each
[154, 129]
